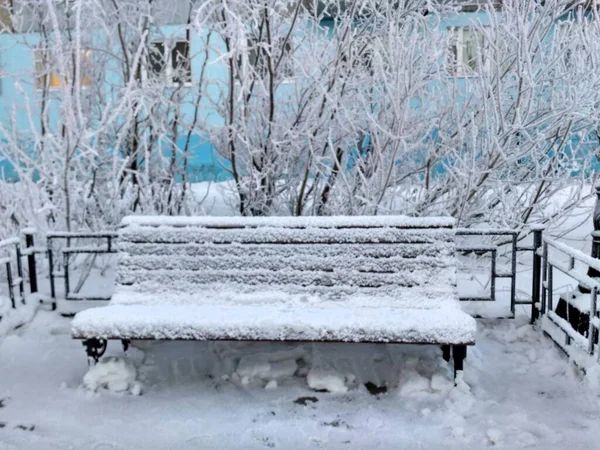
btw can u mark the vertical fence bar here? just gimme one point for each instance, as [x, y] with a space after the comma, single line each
[51, 270]
[536, 278]
[66, 260]
[66, 273]
[493, 275]
[9, 279]
[592, 328]
[20, 272]
[544, 277]
[513, 271]
[550, 286]
[29, 244]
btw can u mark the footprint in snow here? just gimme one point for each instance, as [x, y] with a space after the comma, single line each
[18, 427]
[305, 400]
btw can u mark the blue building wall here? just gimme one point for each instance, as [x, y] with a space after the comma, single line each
[19, 99]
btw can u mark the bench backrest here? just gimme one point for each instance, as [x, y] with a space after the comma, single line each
[333, 256]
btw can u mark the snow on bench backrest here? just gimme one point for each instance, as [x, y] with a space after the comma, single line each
[328, 256]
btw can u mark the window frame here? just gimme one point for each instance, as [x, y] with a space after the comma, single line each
[168, 71]
[455, 64]
[43, 81]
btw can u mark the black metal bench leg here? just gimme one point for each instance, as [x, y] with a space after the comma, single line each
[446, 353]
[125, 343]
[459, 353]
[94, 348]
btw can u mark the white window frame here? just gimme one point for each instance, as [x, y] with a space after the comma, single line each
[48, 72]
[455, 66]
[168, 72]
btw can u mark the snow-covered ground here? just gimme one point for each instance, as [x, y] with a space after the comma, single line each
[518, 391]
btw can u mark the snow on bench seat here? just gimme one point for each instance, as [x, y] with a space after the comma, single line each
[356, 279]
[276, 323]
[344, 296]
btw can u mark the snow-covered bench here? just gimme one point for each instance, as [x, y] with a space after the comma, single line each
[388, 279]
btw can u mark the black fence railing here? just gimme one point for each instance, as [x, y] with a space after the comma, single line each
[61, 248]
[511, 274]
[570, 335]
[68, 250]
[10, 261]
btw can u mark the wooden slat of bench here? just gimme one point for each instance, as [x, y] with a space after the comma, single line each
[282, 277]
[276, 323]
[284, 235]
[292, 222]
[429, 297]
[216, 293]
[302, 262]
[436, 250]
[301, 259]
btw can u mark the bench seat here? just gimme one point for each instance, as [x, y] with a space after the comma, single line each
[268, 322]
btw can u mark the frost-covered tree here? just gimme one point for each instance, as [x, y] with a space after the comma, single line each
[524, 115]
[106, 134]
[338, 107]
[381, 109]
[310, 86]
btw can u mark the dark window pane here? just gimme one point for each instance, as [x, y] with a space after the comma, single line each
[157, 58]
[180, 62]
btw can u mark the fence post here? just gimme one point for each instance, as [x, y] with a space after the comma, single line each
[29, 244]
[9, 279]
[66, 273]
[592, 327]
[20, 272]
[513, 272]
[537, 272]
[51, 274]
[544, 277]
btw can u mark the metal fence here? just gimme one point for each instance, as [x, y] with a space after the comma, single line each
[10, 261]
[61, 248]
[515, 249]
[66, 253]
[568, 338]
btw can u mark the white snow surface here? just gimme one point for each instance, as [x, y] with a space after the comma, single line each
[306, 284]
[249, 322]
[218, 294]
[114, 374]
[292, 222]
[323, 379]
[13, 318]
[518, 391]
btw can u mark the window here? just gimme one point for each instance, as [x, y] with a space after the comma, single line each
[47, 75]
[170, 61]
[465, 51]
